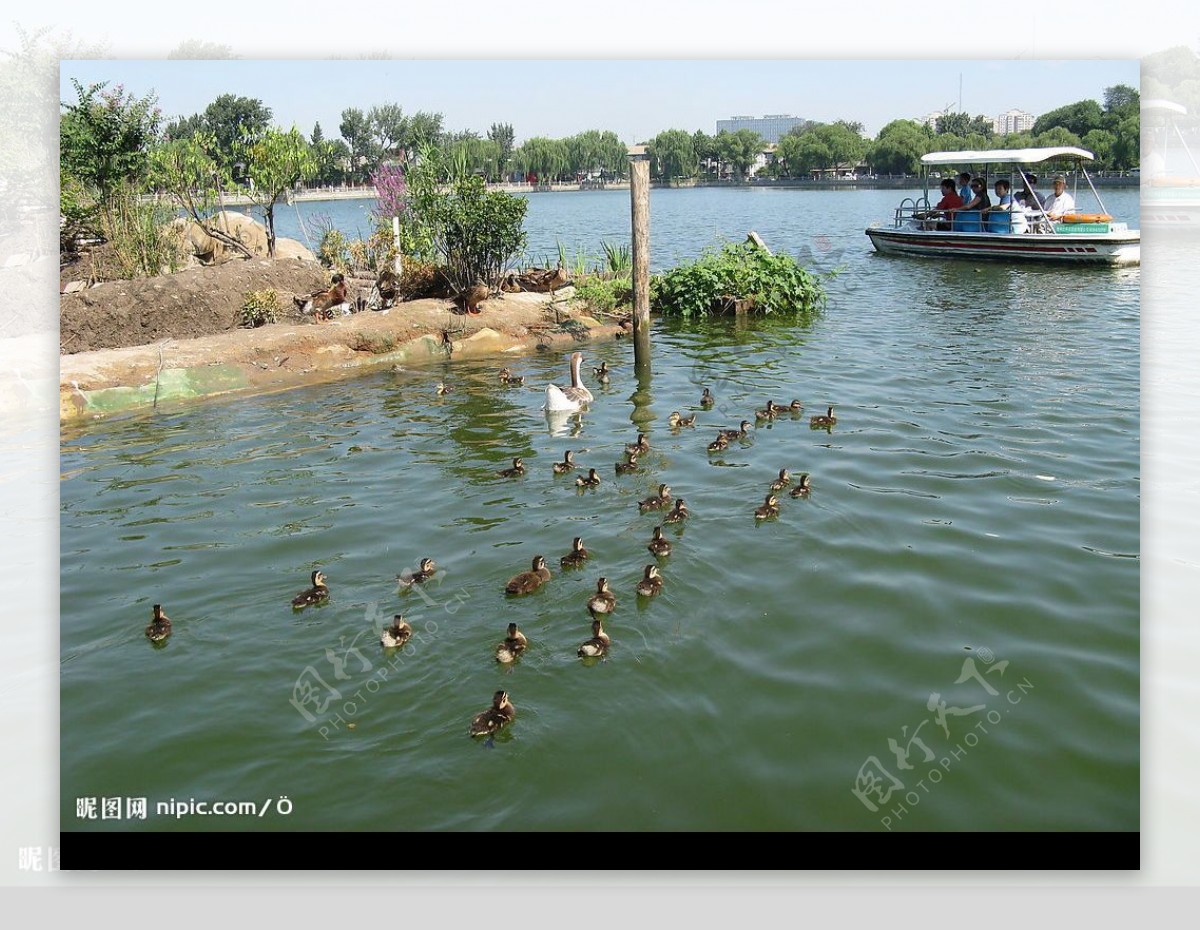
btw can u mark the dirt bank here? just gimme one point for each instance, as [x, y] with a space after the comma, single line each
[170, 339]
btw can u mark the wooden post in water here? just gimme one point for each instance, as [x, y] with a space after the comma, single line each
[639, 198]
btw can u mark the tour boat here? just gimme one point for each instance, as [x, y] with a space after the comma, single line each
[1078, 238]
[1169, 201]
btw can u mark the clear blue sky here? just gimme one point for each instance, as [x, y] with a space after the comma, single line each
[634, 98]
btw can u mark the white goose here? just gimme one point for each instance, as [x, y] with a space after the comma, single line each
[568, 398]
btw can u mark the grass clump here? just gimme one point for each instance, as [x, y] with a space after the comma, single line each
[259, 308]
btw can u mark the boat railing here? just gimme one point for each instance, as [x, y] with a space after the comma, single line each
[906, 213]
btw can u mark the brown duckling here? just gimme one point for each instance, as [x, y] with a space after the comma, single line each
[317, 594]
[441, 390]
[577, 556]
[676, 420]
[500, 714]
[160, 625]
[629, 465]
[769, 509]
[591, 481]
[802, 487]
[679, 514]
[530, 581]
[603, 601]
[795, 406]
[651, 582]
[518, 469]
[659, 544]
[426, 569]
[473, 297]
[514, 644]
[641, 447]
[823, 421]
[397, 634]
[707, 399]
[743, 432]
[720, 444]
[770, 413]
[782, 481]
[657, 501]
[566, 465]
[596, 646]
[507, 377]
[602, 373]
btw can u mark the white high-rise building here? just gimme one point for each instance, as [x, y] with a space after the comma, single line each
[1013, 121]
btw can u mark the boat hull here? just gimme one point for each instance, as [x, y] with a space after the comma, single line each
[1112, 248]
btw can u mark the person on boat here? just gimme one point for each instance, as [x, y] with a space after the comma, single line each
[1005, 204]
[1060, 201]
[979, 196]
[1030, 199]
[950, 201]
[964, 186]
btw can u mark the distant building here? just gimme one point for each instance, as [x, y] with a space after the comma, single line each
[1013, 121]
[772, 127]
[931, 119]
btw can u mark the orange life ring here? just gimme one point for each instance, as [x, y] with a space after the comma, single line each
[1086, 218]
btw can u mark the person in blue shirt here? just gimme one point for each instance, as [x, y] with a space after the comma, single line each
[964, 186]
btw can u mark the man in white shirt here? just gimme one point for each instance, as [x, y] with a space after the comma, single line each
[1060, 201]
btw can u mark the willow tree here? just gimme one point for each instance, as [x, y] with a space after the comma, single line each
[276, 162]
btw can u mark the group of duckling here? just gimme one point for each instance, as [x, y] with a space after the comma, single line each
[603, 602]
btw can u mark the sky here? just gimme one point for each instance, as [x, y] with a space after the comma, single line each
[634, 98]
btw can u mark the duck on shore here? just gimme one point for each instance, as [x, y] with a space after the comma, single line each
[323, 304]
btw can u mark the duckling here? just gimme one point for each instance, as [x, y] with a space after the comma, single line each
[706, 399]
[518, 469]
[795, 406]
[500, 714]
[676, 420]
[720, 444]
[629, 465]
[566, 465]
[769, 509]
[679, 514]
[507, 377]
[397, 634]
[770, 413]
[657, 501]
[802, 487]
[577, 556]
[426, 569]
[317, 594]
[641, 447]
[659, 544]
[530, 581]
[591, 481]
[514, 644]
[603, 601]
[651, 582]
[782, 481]
[160, 625]
[602, 373]
[743, 432]
[441, 390]
[596, 646]
[823, 421]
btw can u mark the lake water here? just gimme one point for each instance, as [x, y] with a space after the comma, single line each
[959, 594]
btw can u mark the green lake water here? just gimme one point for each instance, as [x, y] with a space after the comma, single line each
[958, 595]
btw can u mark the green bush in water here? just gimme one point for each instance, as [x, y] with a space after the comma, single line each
[738, 272]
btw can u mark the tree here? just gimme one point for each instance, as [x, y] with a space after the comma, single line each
[184, 127]
[231, 120]
[389, 130]
[825, 145]
[275, 162]
[502, 135]
[188, 171]
[960, 124]
[105, 136]
[317, 136]
[356, 130]
[331, 157]
[593, 151]
[423, 129]
[1121, 99]
[898, 147]
[1100, 142]
[477, 232]
[739, 149]
[706, 151]
[672, 155]
[1076, 118]
[543, 157]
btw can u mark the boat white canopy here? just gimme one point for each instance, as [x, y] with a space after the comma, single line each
[1159, 104]
[992, 156]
